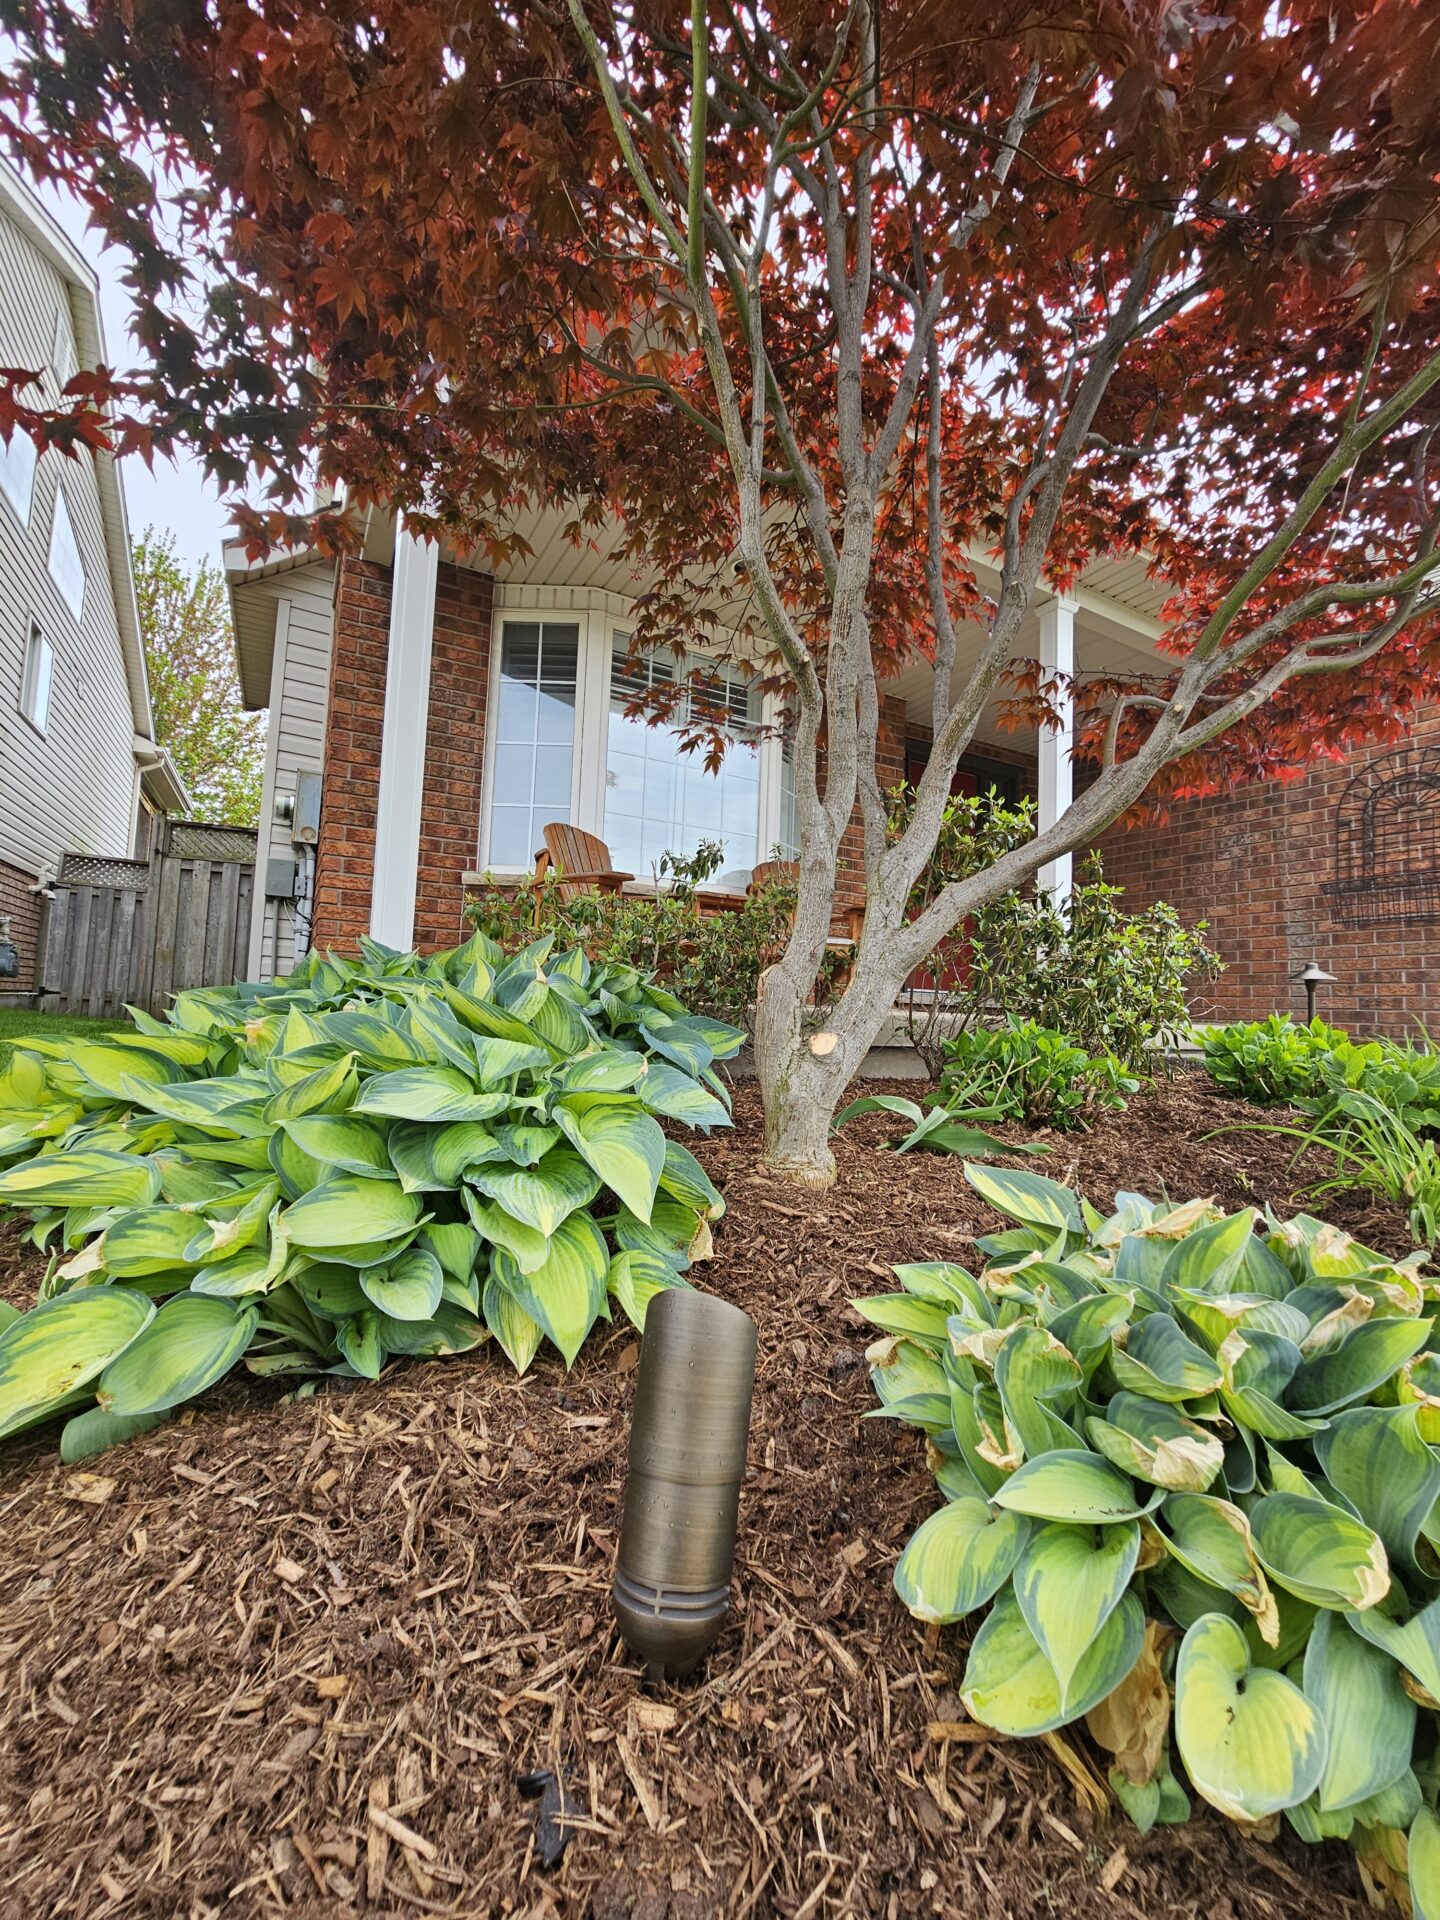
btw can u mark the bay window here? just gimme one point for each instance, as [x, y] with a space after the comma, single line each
[561, 747]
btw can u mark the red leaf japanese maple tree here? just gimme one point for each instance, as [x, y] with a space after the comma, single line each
[833, 299]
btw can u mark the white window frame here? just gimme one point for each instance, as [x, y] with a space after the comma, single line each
[600, 615]
[37, 679]
[63, 362]
[18, 486]
[61, 510]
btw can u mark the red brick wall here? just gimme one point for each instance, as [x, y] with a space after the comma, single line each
[1253, 865]
[850, 878]
[454, 754]
[23, 910]
[345, 857]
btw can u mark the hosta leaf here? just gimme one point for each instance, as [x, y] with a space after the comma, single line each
[61, 1345]
[1011, 1686]
[902, 1313]
[1073, 1485]
[518, 1335]
[565, 1295]
[348, 1210]
[1036, 1378]
[1315, 1550]
[498, 1061]
[1069, 1580]
[340, 1141]
[1027, 1197]
[427, 1093]
[540, 1196]
[329, 1089]
[147, 1240]
[1376, 1458]
[1415, 1642]
[526, 1245]
[1368, 1717]
[333, 1292]
[375, 1035]
[1208, 1259]
[190, 1344]
[1424, 1866]
[635, 1277]
[665, 1089]
[623, 1145]
[455, 1245]
[1251, 1742]
[1361, 1362]
[684, 1179]
[1211, 1539]
[1152, 1440]
[359, 1342]
[451, 1329]
[94, 1430]
[81, 1177]
[525, 1144]
[410, 1288]
[958, 1559]
[1160, 1363]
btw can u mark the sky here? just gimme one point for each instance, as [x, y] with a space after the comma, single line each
[176, 497]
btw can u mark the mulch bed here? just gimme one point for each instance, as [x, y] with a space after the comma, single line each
[292, 1657]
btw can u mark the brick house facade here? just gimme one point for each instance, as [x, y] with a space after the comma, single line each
[1254, 865]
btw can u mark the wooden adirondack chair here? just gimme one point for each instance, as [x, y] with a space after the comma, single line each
[580, 860]
[786, 873]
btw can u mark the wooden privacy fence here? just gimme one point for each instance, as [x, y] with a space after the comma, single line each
[134, 933]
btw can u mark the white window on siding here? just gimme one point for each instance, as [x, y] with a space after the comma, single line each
[662, 799]
[37, 679]
[62, 354]
[17, 472]
[532, 773]
[67, 569]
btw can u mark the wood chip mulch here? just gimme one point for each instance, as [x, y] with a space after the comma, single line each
[293, 1658]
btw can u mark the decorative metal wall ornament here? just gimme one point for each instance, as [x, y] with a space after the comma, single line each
[1387, 842]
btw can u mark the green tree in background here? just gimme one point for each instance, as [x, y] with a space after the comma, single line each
[200, 718]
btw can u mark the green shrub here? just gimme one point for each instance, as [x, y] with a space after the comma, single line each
[1023, 1071]
[711, 962]
[374, 1157]
[1270, 1060]
[1374, 1150]
[1112, 982]
[1184, 1459]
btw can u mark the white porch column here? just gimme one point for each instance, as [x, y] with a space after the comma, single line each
[402, 739]
[1057, 774]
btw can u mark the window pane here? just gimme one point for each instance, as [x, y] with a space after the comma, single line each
[510, 837]
[533, 756]
[660, 799]
[38, 678]
[17, 471]
[67, 569]
[555, 719]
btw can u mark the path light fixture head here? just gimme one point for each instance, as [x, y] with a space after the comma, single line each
[688, 1437]
[1311, 976]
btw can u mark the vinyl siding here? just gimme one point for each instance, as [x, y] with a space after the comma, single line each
[73, 789]
[299, 689]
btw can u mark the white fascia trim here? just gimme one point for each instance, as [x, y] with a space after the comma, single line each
[402, 741]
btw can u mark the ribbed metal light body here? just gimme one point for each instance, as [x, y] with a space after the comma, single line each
[687, 1458]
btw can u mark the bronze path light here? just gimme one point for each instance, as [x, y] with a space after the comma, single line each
[682, 1496]
[1311, 976]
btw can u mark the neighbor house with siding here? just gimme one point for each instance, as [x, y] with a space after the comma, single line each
[451, 712]
[80, 771]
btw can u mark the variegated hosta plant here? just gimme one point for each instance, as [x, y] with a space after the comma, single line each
[374, 1157]
[1192, 1470]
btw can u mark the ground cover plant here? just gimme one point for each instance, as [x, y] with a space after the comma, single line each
[1373, 1106]
[372, 1158]
[1024, 1071]
[1185, 1462]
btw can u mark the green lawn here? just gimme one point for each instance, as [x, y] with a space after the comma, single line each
[18, 1022]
